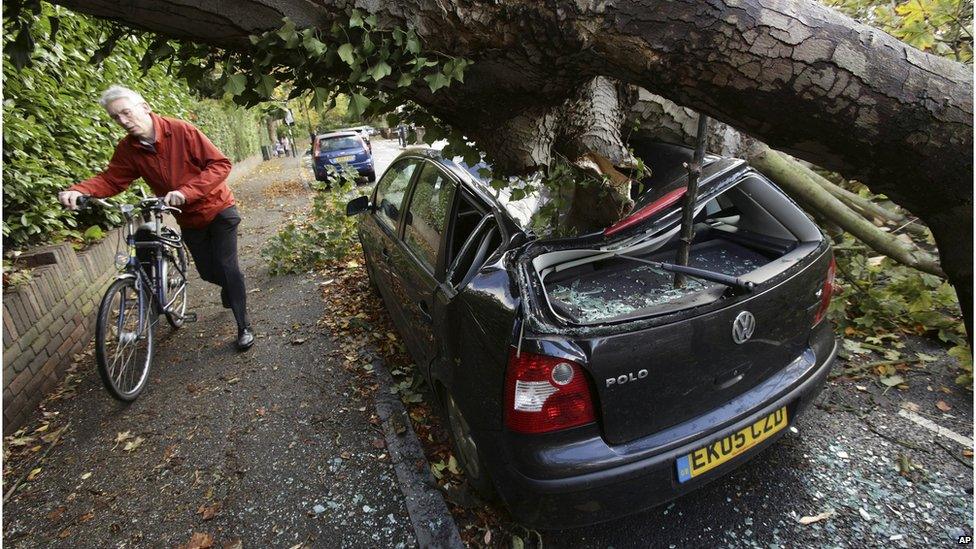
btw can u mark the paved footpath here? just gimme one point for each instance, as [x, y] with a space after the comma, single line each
[272, 448]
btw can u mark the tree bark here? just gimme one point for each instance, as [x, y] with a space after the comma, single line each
[800, 77]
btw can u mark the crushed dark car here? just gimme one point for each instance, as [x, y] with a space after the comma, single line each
[578, 384]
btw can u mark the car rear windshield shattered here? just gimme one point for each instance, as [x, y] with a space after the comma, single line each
[626, 287]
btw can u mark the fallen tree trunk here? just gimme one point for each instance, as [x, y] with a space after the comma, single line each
[789, 176]
[802, 78]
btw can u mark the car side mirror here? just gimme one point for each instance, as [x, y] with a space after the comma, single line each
[357, 206]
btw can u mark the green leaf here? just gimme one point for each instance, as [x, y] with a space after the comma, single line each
[94, 233]
[436, 81]
[236, 84]
[413, 43]
[380, 71]
[404, 80]
[266, 85]
[356, 19]
[313, 45]
[288, 34]
[358, 104]
[891, 381]
[346, 53]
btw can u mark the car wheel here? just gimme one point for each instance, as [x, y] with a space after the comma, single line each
[466, 451]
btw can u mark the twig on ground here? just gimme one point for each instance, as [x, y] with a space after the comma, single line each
[32, 467]
[954, 456]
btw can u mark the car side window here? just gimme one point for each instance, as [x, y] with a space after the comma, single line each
[429, 207]
[390, 192]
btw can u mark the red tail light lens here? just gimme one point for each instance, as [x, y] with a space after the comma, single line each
[646, 212]
[545, 393]
[315, 148]
[826, 292]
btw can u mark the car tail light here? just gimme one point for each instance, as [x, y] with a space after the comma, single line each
[826, 292]
[646, 212]
[315, 148]
[545, 393]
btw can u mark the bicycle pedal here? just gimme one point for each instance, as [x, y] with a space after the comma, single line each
[190, 317]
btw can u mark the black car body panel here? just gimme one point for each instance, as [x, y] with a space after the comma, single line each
[665, 379]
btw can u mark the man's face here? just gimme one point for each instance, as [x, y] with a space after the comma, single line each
[134, 117]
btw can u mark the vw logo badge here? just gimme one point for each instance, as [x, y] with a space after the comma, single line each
[743, 326]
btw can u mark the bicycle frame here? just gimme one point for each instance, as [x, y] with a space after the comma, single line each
[151, 286]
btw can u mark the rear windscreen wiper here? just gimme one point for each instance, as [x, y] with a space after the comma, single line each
[722, 278]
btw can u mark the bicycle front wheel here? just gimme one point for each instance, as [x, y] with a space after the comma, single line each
[124, 339]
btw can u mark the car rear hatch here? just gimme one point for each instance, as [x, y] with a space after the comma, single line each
[351, 155]
[659, 356]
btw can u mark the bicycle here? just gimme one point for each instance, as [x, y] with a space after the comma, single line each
[152, 283]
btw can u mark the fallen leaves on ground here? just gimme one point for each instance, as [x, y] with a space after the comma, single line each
[133, 444]
[284, 188]
[943, 405]
[208, 511]
[198, 540]
[816, 518]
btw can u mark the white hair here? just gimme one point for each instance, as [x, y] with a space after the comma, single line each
[119, 92]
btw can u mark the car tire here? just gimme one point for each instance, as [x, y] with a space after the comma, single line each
[371, 177]
[466, 450]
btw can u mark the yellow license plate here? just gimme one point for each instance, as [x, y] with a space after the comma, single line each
[711, 456]
[341, 159]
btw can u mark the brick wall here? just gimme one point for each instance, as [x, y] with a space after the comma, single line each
[50, 319]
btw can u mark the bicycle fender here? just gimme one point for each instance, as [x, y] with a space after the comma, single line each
[123, 276]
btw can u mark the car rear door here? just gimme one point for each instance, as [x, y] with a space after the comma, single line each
[381, 229]
[418, 261]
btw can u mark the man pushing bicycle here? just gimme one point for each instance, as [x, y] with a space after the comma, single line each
[180, 164]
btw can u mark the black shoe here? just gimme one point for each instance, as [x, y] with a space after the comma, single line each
[224, 298]
[245, 338]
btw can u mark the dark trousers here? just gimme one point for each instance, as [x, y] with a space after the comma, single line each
[214, 250]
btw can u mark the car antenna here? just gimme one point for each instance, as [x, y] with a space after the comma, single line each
[691, 197]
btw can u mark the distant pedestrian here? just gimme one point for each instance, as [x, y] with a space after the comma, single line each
[181, 165]
[402, 134]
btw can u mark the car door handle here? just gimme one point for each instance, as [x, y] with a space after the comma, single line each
[424, 311]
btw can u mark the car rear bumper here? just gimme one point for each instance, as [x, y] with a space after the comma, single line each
[595, 482]
[364, 168]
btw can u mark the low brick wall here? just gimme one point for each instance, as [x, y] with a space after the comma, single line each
[50, 319]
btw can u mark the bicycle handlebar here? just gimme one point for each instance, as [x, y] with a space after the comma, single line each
[149, 203]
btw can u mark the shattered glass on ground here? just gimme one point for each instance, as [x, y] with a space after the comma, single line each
[624, 287]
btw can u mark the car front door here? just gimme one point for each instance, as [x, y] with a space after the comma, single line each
[419, 259]
[380, 235]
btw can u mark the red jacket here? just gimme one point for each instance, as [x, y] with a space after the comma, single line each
[184, 160]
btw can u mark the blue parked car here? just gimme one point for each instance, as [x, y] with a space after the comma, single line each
[342, 148]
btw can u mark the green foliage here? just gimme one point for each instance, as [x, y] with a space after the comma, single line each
[880, 298]
[235, 131]
[349, 58]
[322, 235]
[942, 27]
[55, 133]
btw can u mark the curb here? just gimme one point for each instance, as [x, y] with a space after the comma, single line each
[433, 524]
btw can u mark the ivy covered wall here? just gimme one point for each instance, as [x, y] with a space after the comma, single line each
[55, 133]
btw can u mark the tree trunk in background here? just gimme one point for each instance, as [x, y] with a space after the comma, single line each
[800, 77]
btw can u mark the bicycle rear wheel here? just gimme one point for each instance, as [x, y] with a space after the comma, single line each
[174, 277]
[124, 339]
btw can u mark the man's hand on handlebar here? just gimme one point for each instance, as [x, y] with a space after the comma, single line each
[69, 199]
[174, 198]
